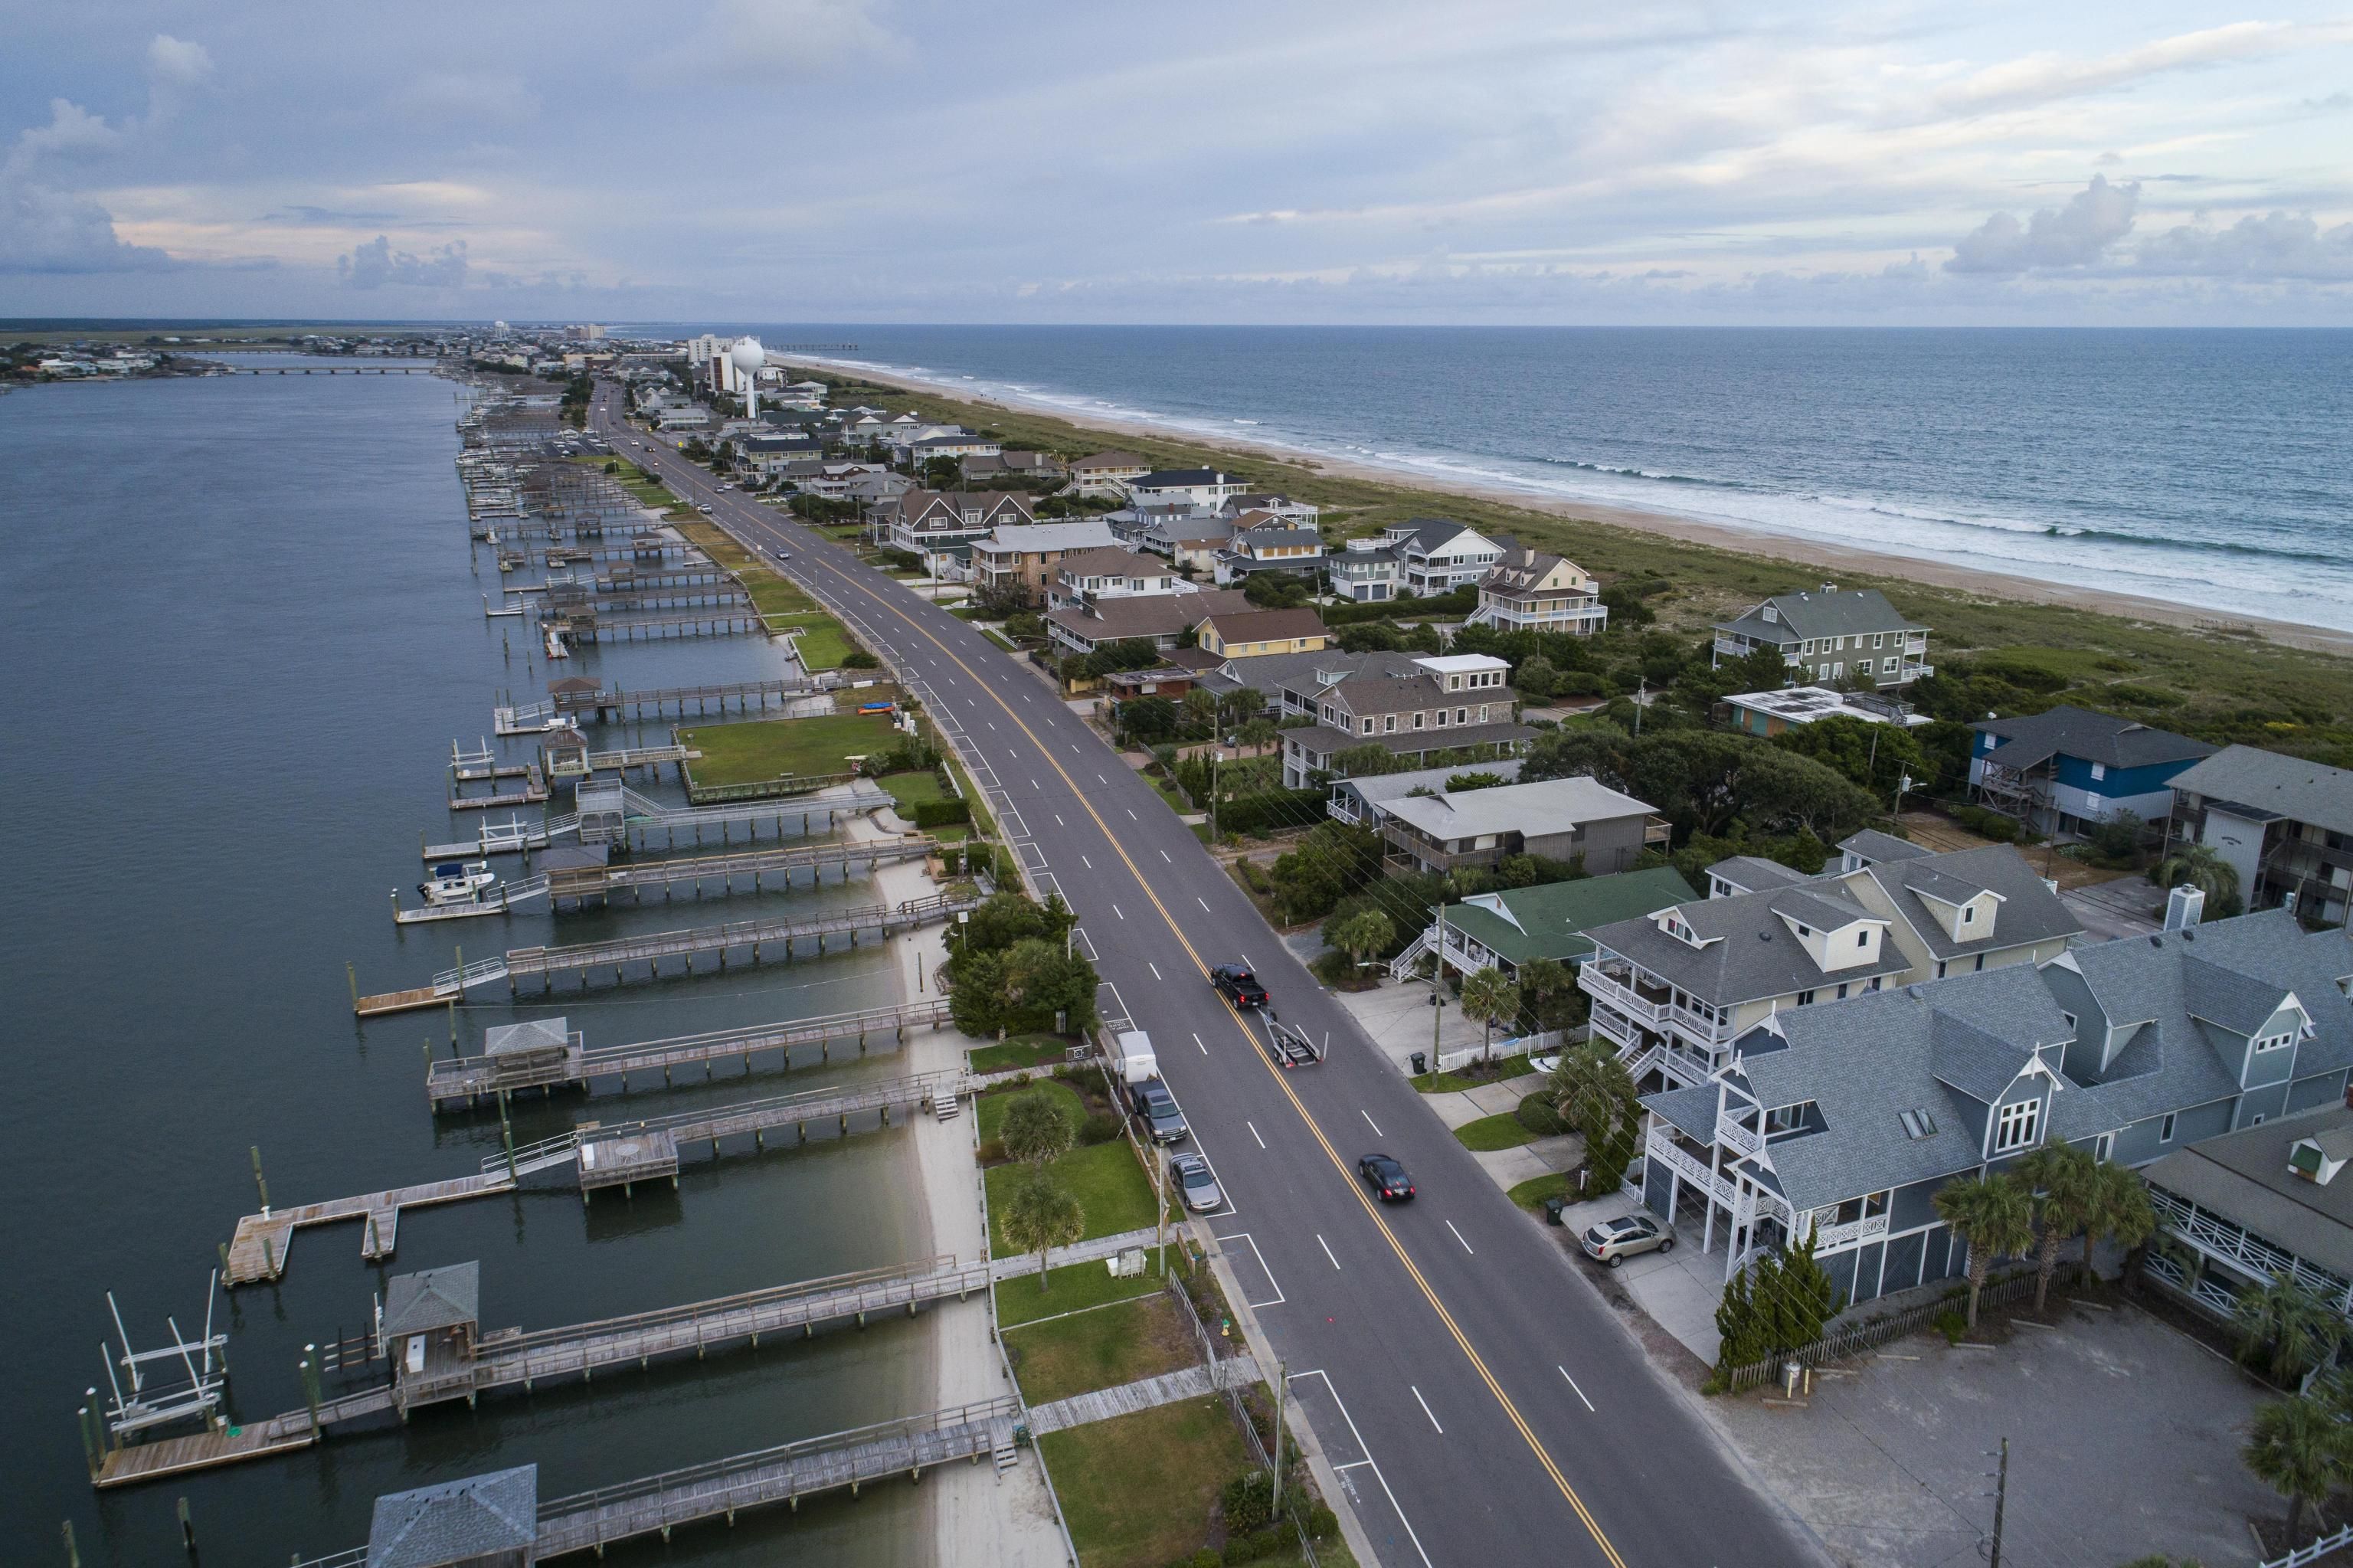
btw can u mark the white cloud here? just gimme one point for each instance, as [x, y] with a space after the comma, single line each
[377, 263]
[440, 97]
[174, 60]
[2077, 234]
[2276, 246]
[44, 228]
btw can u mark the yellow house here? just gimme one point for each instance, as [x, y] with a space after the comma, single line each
[1246, 634]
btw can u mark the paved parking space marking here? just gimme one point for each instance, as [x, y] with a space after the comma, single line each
[1458, 1236]
[1572, 1383]
[1327, 1249]
[1279, 1297]
[1371, 1123]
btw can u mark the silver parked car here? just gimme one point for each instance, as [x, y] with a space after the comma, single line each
[1193, 1179]
[1614, 1241]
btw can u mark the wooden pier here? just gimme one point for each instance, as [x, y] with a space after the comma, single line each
[531, 719]
[533, 792]
[592, 1521]
[612, 814]
[634, 876]
[465, 1079]
[601, 1154]
[468, 1363]
[590, 626]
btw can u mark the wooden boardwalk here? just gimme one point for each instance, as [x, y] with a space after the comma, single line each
[508, 1358]
[705, 941]
[638, 875]
[465, 1077]
[1147, 1394]
[257, 1250]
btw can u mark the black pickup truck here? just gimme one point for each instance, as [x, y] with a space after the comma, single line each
[1239, 985]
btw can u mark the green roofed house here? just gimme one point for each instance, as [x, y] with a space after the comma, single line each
[1507, 928]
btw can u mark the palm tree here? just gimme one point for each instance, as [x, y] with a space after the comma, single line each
[1201, 708]
[2202, 869]
[1591, 1089]
[1542, 980]
[2120, 1211]
[1363, 934]
[2289, 1317]
[1994, 1214]
[2067, 1184]
[2299, 1449]
[1041, 1215]
[1489, 996]
[1037, 1129]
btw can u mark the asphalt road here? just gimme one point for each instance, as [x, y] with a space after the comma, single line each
[1481, 1403]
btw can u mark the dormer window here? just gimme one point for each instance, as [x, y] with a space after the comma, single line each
[2015, 1127]
[1968, 913]
[1862, 938]
[2275, 1042]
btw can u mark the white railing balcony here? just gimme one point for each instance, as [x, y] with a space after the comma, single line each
[1622, 996]
[1688, 1067]
[1853, 1232]
[1706, 1031]
[1616, 1028]
[1663, 1149]
[1916, 672]
[1743, 1140]
[2232, 1246]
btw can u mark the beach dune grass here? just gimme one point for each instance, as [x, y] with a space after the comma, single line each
[1112, 1188]
[1103, 1348]
[1136, 1490]
[756, 749]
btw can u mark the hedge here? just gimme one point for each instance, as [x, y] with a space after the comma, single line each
[942, 813]
[1274, 809]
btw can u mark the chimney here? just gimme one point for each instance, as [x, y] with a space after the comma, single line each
[2183, 905]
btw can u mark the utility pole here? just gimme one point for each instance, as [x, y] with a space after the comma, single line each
[1641, 690]
[1215, 758]
[1281, 1391]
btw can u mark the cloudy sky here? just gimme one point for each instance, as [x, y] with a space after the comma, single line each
[918, 160]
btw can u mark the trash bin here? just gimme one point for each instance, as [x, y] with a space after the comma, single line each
[1790, 1372]
[1420, 1063]
[1553, 1206]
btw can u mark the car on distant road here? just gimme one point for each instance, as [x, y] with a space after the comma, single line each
[704, 509]
[783, 554]
[1239, 985]
[1613, 1242]
[725, 488]
[1154, 1110]
[1196, 1182]
[1386, 1178]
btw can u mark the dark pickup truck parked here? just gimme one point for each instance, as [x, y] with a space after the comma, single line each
[1239, 985]
[1154, 1110]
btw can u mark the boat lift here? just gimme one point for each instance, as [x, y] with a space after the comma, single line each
[142, 1406]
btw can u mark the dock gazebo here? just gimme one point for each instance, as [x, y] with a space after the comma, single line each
[431, 1320]
[482, 1521]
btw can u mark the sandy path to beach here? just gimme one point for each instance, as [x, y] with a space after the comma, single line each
[1833, 559]
[978, 1519]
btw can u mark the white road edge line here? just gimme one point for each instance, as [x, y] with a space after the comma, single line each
[1116, 910]
[1156, 975]
[1425, 1409]
[1279, 1297]
[1327, 1250]
[1204, 904]
[1458, 1236]
[1196, 1039]
[1358, 1437]
[1253, 1131]
[1572, 1383]
[1371, 1123]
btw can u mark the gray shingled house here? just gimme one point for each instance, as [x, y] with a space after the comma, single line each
[1845, 1119]
[1832, 635]
[2245, 1207]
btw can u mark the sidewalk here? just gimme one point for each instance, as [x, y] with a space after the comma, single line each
[1396, 1014]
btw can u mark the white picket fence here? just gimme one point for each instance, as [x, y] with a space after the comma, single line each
[2315, 1551]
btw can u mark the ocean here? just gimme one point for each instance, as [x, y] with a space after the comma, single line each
[2207, 468]
[242, 627]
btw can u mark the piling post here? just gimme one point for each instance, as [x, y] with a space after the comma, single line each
[187, 1528]
[73, 1552]
[254, 1149]
[311, 1386]
[90, 1452]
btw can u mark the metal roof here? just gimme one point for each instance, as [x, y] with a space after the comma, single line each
[1549, 920]
[1540, 810]
[534, 1034]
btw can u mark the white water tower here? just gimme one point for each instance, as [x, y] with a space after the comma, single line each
[748, 357]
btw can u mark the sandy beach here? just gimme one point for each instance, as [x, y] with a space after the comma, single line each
[1834, 559]
[976, 1517]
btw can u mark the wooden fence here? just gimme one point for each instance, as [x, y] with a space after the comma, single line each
[1861, 1337]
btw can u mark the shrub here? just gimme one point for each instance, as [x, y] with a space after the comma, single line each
[1248, 1502]
[1258, 1543]
[1952, 1324]
[1537, 1113]
[1321, 1523]
[1208, 1557]
[1100, 1127]
[942, 813]
[1253, 875]
[992, 1153]
[860, 659]
[1334, 968]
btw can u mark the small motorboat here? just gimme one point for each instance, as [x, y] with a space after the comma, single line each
[458, 882]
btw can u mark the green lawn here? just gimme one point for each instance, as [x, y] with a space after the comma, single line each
[1135, 1339]
[776, 596]
[1531, 1194]
[1136, 1491]
[1447, 1083]
[1492, 1132]
[1020, 1051]
[1111, 1186]
[766, 749]
[910, 789]
[995, 1104]
[822, 643]
[1070, 1288]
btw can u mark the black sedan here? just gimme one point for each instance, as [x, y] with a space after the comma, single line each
[1386, 1178]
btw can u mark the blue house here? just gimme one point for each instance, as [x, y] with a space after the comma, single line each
[1842, 1121]
[2066, 770]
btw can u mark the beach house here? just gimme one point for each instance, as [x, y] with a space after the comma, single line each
[1514, 925]
[2285, 825]
[1022, 558]
[1438, 555]
[2066, 770]
[1529, 590]
[1832, 635]
[1576, 821]
[1416, 708]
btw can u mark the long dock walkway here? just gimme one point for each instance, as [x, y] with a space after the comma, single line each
[592, 1521]
[1145, 1393]
[602, 1154]
[709, 941]
[467, 1077]
[531, 718]
[625, 816]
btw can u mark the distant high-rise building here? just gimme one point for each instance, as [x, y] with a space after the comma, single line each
[587, 332]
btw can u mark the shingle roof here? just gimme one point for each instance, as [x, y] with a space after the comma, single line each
[1177, 478]
[1816, 615]
[1124, 616]
[433, 1298]
[1267, 625]
[1876, 846]
[1113, 562]
[2028, 912]
[456, 1521]
[2269, 784]
[1756, 956]
[2243, 1177]
[2086, 736]
[1753, 873]
[1031, 538]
